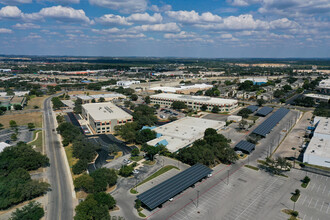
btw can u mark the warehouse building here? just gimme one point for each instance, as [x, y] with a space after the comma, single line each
[183, 132]
[107, 97]
[103, 117]
[182, 89]
[195, 102]
[126, 84]
[318, 149]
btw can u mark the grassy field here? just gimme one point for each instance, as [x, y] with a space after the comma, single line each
[38, 101]
[158, 173]
[38, 142]
[137, 158]
[71, 160]
[252, 117]
[22, 119]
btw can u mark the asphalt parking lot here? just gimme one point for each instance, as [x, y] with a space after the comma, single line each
[24, 135]
[216, 117]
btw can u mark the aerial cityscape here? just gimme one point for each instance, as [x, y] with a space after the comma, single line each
[164, 110]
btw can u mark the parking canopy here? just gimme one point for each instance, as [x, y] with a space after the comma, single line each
[264, 111]
[173, 186]
[245, 146]
[252, 108]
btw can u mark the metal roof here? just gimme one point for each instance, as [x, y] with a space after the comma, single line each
[264, 111]
[245, 146]
[252, 108]
[264, 128]
[173, 186]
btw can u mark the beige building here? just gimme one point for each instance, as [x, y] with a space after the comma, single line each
[107, 97]
[103, 117]
[195, 102]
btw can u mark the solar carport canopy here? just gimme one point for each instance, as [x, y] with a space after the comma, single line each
[173, 186]
[264, 128]
[264, 111]
[245, 146]
[252, 108]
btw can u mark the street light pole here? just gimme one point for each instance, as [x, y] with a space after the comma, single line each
[197, 197]
[228, 178]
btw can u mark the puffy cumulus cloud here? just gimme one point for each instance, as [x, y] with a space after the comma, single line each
[193, 16]
[294, 7]
[5, 31]
[15, 2]
[65, 14]
[111, 19]
[145, 17]
[124, 6]
[283, 23]
[167, 27]
[162, 8]
[242, 2]
[181, 35]
[26, 26]
[119, 33]
[11, 12]
[64, 2]
[226, 36]
[241, 22]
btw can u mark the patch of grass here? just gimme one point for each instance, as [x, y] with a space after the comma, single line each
[133, 191]
[295, 197]
[137, 158]
[158, 173]
[142, 215]
[35, 101]
[262, 162]
[22, 119]
[71, 160]
[304, 185]
[252, 117]
[318, 167]
[149, 162]
[293, 214]
[38, 142]
[252, 167]
[242, 157]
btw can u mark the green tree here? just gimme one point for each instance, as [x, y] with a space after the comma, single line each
[80, 166]
[90, 209]
[31, 126]
[215, 109]
[204, 107]
[105, 199]
[145, 135]
[137, 204]
[18, 107]
[260, 102]
[244, 112]
[101, 99]
[126, 171]
[147, 100]
[32, 211]
[103, 178]
[134, 97]
[135, 152]
[84, 182]
[210, 131]
[156, 106]
[178, 105]
[151, 151]
[93, 101]
[12, 124]
[13, 137]
[57, 103]
[242, 124]
[1, 126]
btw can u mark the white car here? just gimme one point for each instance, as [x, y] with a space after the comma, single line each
[171, 199]
[136, 171]
[209, 175]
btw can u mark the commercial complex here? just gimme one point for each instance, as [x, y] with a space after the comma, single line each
[318, 97]
[103, 117]
[256, 81]
[107, 97]
[182, 89]
[183, 132]
[126, 84]
[195, 102]
[324, 86]
[318, 149]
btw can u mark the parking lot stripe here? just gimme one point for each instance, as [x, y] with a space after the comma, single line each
[324, 189]
[313, 186]
[304, 200]
[316, 203]
[318, 188]
[328, 208]
[310, 202]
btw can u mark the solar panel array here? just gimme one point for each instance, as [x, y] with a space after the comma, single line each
[264, 128]
[173, 186]
[245, 146]
[252, 108]
[264, 111]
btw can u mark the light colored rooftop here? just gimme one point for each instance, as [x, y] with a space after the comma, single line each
[3, 145]
[105, 111]
[200, 99]
[184, 132]
[108, 95]
[325, 83]
[318, 96]
[319, 146]
[181, 88]
[323, 126]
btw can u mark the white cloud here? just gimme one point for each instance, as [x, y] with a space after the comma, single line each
[5, 31]
[124, 6]
[110, 19]
[226, 36]
[65, 14]
[168, 27]
[63, 1]
[15, 2]
[10, 12]
[242, 2]
[283, 23]
[145, 17]
[163, 8]
[181, 35]
[193, 16]
[26, 26]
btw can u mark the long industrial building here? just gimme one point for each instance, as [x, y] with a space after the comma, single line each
[107, 97]
[195, 102]
[318, 149]
[103, 117]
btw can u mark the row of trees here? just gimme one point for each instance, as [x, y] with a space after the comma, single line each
[16, 183]
[211, 150]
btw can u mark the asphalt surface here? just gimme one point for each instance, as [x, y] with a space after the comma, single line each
[60, 204]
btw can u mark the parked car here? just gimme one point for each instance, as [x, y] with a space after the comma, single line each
[135, 172]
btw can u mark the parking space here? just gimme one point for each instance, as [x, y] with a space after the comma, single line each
[165, 113]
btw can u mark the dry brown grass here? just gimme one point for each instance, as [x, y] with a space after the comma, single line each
[38, 101]
[88, 91]
[22, 119]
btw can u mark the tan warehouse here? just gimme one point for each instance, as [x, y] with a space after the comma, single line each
[103, 117]
[195, 102]
[107, 97]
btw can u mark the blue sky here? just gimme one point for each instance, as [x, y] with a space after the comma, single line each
[178, 28]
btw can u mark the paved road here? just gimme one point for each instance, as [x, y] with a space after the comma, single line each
[60, 197]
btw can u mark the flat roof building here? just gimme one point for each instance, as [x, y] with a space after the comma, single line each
[107, 97]
[182, 89]
[126, 84]
[324, 86]
[103, 117]
[195, 102]
[183, 132]
[318, 149]
[318, 97]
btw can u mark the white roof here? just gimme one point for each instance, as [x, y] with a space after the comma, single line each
[184, 132]
[182, 88]
[323, 126]
[318, 96]
[3, 145]
[109, 95]
[319, 146]
[254, 80]
[199, 99]
[325, 83]
[106, 111]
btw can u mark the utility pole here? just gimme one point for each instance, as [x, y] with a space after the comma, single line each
[197, 197]
[228, 178]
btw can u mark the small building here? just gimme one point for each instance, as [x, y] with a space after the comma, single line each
[107, 97]
[183, 132]
[126, 84]
[266, 96]
[234, 118]
[195, 102]
[103, 117]
[318, 149]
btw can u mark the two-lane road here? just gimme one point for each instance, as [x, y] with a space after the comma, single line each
[60, 206]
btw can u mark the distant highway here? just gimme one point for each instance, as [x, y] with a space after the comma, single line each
[59, 206]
